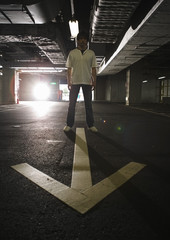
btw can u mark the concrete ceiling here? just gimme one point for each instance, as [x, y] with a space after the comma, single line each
[152, 33]
[36, 34]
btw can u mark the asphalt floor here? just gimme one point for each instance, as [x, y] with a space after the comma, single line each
[136, 207]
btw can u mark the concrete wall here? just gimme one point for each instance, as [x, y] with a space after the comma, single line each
[145, 85]
[114, 87]
[8, 92]
[1, 89]
[151, 91]
[111, 88]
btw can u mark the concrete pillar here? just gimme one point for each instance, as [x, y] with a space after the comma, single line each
[118, 87]
[9, 91]
[108, 90]
[100, 88]
[127, 86]
[1, 88]
[17, 86]
[134, 77]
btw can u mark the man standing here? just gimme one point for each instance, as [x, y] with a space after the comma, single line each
[81, 64]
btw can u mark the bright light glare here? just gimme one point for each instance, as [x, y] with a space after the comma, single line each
[41, 108]
[41, 91]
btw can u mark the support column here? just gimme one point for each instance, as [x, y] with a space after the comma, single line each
[101, 88]
[1, 87]
[127, 86]
[9, 91]
[134, 78]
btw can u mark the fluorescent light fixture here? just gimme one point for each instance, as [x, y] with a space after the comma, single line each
[43, 70]
[145, 81]
[162, 77]
[73, 23]
[74, 27]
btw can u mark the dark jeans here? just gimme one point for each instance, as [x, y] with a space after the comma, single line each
[87, 92]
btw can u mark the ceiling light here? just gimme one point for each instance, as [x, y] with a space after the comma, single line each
[161, 77]
[74, 27]
[73, 23]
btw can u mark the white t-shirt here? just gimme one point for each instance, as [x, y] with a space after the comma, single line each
[81, 65]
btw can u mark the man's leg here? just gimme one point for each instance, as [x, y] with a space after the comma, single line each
[71, 109]
[87, 92]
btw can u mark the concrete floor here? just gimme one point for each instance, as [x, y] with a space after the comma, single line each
[124, 202]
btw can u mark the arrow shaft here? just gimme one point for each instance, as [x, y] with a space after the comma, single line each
[81, 173]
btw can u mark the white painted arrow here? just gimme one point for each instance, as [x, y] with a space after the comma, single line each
[81, 174]
[81, 196]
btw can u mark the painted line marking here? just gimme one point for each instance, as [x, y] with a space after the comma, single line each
[84, 200]
[81, 173]
[54, 141]
[113, 182]
[150, 111]
[82, 196]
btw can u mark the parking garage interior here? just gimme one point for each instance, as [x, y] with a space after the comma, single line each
[130, 40]
[113, 184]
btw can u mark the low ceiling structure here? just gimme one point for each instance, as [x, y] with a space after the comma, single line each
[35, 35]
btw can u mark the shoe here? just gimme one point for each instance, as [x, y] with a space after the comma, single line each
[93, 129]
[67, 129]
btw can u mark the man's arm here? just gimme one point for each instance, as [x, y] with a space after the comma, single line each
[93, 78]
[69, 72]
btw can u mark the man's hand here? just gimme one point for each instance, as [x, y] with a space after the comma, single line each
[93, 78]
[69, 86]
[93, 87]
[69, 71]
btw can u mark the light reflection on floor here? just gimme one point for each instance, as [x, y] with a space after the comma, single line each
[41, 108]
